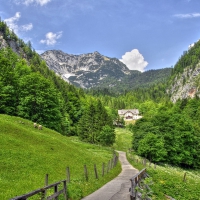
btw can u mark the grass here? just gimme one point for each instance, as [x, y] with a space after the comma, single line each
[123, 139]
[27, 154]
[130, 122]
[167, 180]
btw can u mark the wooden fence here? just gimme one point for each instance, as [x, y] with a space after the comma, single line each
[44, 193]
[105, 169]
[136, 183]
[147, 163]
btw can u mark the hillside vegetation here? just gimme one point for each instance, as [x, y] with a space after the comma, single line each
[135, 80]
[166, 179]
[27, 154]
[29, 89]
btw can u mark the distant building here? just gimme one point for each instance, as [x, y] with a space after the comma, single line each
[129, 114]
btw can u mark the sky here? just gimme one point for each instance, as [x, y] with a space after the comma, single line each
[143, 34]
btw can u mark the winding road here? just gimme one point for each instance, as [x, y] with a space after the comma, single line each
[118, 188]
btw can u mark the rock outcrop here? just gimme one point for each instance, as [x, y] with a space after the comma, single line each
[185, 85]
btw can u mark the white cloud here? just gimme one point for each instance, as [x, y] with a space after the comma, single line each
[27, 27]
[12, 24]
[186, 16]
[28, 2]
[134, 60]
[51, 38]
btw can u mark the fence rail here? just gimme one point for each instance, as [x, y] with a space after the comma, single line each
[43, 192]
[135, 182]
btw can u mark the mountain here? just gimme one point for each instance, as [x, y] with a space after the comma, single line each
[185, 80]
[85, 70]
[137, 79]
[94, 70]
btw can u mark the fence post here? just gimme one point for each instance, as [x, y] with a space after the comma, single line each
[149, 164]
[108, 166]
[154, 166]
[103, 167]
[56, 190]
[95, 171]
[116, 159]
[184, 177]
[145, 162]
[65, 189]
[46, 180]
[68, 175]
[86, 172]
[45, 184]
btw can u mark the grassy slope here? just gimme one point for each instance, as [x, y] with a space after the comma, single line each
[123, 139]
[27, 154]
[166, 179]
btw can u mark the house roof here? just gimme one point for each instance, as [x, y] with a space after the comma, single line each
[133, 111]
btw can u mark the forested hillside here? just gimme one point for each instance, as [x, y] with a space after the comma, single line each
[135, 80]
[30, 90]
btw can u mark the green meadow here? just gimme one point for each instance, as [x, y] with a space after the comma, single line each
[28, 154]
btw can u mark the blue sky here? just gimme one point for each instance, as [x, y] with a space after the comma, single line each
[143, 34]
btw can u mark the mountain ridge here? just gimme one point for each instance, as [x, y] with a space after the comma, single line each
[92, 70]
[84, 70]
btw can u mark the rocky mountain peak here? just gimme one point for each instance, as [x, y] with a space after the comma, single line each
[85, 70]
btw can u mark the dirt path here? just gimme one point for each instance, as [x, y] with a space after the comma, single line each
[118, 188]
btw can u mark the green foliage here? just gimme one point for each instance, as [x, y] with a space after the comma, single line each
[145, 189]
[107, 136]
[91, 124]
[171, 135]
[39, 101]
[189, 58]
[28, 94]
[152, 148]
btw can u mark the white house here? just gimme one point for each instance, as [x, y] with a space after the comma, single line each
[129, 114]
